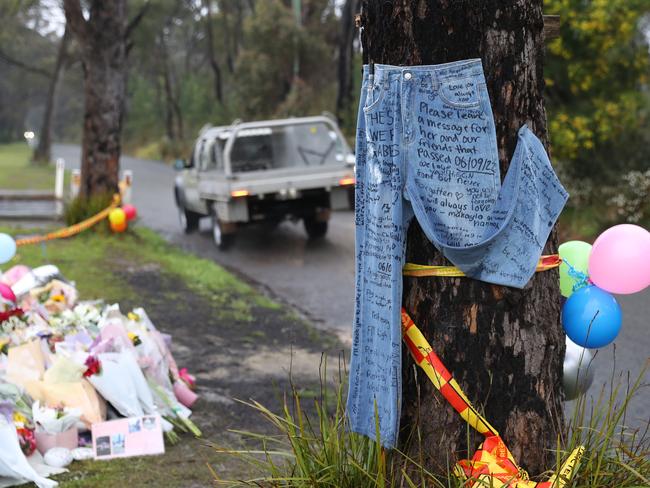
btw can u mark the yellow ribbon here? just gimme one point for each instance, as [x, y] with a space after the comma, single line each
[418, 270]
[73, 229]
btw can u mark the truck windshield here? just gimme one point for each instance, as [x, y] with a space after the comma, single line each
[285, 147]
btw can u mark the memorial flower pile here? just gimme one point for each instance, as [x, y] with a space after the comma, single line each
[66, 365]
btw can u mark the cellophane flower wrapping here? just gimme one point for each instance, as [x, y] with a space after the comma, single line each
[13, 463]
[78, 355]
[54, 420]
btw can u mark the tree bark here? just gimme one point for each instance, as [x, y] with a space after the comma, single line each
[43, 152]
[102, 40]
[346, 44]
[504, 346]
[173, 114]
[216, 70]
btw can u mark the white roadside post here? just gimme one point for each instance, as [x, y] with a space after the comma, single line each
[58, 185]
[125, 186]
[75, 183]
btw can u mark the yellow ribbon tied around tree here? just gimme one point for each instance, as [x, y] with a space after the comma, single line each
[419, 270]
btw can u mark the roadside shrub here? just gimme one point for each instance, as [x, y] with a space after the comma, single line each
[164, 149]
[81, 208]
[593, 207]
[631, 196]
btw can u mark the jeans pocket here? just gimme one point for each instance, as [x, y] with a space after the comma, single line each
[460, 93]
[376, 92]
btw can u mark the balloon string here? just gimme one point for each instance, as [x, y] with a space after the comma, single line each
[580, 279]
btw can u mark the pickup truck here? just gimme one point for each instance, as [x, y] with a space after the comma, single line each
[266, 171]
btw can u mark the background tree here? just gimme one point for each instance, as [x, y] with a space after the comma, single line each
[266, 82]
[345, 95]
[26, 58]
[598, 73]
[103, 42]
[212, 57]
[504, 346]
[43, 151]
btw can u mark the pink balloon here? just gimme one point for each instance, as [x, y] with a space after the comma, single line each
[7, 293]
[130, 211]
[620, 259]
[14, 274]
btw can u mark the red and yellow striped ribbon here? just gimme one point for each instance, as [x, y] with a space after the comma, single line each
[492, 464]
[73, 229]
[429, 361]
[418, 270]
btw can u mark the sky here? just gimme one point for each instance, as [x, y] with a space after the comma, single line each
[55, 21]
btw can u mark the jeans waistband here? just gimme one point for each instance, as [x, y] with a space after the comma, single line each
[455, 70]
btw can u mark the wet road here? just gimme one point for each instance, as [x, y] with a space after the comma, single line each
[318, 278]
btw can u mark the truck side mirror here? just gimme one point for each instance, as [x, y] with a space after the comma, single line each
[180, 164]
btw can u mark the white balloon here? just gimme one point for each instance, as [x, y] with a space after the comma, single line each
[58, 457]
[578, 371]
[82, 453]
[7, 248]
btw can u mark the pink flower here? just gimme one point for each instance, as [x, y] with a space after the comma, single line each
[189, 379]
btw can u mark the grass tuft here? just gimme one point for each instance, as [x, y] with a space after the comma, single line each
[313, 446]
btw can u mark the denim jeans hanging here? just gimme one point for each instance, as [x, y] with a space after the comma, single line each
[426, 148]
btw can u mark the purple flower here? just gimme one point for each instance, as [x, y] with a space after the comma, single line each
[7, 410]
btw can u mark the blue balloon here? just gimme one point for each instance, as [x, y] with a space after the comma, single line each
[591, 317]
[7, 248]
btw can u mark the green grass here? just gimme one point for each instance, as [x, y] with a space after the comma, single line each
[202, 275]
[94, 259]
[319, 450]
[85, 259]
[16, 172]
[174, 469]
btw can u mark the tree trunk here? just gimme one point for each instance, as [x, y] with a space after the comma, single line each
[346, 44]
[229, 38]
[102, 39]
[504, 346]
[173, 114]
[43, 152]
[216, 70]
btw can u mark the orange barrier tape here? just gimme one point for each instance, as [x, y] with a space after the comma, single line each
[73, 229]
[492, 464]
[411, 269]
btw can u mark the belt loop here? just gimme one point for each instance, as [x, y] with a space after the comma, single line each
[435, 83]
[371, 76]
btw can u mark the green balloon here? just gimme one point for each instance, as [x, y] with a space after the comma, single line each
[576, 253]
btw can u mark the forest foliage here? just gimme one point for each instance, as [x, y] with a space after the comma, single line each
[194, 62]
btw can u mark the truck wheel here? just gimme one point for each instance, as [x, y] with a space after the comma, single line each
[189, 220]
[315, 229]
[222, 240]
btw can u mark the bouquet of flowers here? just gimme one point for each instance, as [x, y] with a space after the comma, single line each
[13, 463]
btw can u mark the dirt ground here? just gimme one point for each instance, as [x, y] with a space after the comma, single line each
[232, 359]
